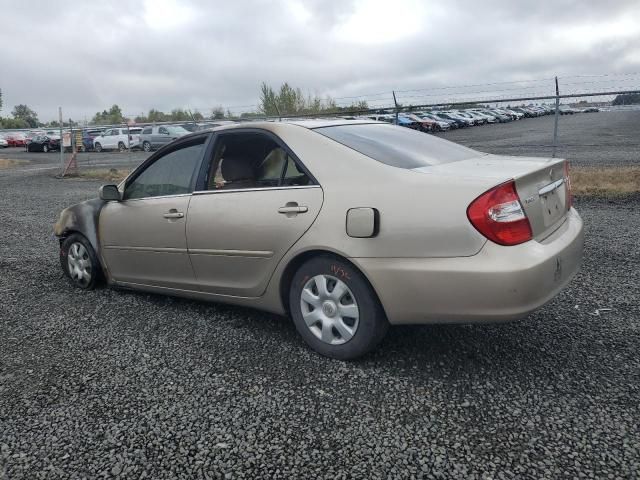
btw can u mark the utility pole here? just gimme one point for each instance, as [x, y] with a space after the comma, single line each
[555, 123]
[396, 104]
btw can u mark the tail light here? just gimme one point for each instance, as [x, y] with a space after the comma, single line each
[567, 185]
[498, 215]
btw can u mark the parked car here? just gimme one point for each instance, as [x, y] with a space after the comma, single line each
[118, 139]
[3, 142]
[490, 117]
[154, 137]
[479, 118]
[526, 111]
[16, 139]
[462, 121]
[591, 110]
[500, 117]
[43, 143]
[517, 115]
[424, 124]
[441, 124]
[567, 110]
[88, 137]
[275, 216]
[388, 118]
[453, 123]
[406, 122]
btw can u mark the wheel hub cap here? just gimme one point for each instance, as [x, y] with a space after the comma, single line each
[79, 264]
[329, 309]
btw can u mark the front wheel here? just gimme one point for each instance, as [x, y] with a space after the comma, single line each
[335, 310]
[121, 147]
[146, 146]
[79, 262]
[45, 148]
[97, 147]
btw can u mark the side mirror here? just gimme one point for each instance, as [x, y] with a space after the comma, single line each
[109, 193]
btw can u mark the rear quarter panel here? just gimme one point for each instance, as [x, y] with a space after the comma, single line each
[420, 215]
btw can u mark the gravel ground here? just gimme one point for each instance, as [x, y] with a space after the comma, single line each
[109, 383]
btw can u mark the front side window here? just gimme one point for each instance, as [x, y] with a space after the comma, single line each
[252, 160]
[171, 174]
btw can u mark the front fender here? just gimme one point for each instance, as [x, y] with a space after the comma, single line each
[82, 218]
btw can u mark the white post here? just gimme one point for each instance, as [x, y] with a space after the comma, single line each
[61, 141]
[555, 123]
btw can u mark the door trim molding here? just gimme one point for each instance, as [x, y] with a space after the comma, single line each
[196, 251]
[231, 253]
[147, 249]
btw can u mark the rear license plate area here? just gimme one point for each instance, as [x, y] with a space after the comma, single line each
[552, 207]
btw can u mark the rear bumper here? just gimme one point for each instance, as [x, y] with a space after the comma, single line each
[497, 284]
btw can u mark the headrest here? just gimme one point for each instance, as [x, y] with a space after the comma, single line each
[235, 168]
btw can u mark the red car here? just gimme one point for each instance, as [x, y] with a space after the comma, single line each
[16, 139]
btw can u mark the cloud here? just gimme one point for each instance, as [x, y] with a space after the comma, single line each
[86, 56]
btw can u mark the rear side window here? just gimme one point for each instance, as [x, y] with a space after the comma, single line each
[146, 131]
[397, 146]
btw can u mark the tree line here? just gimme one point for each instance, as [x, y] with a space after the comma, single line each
[285, 100]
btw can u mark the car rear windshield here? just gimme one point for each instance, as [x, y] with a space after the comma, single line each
[397, 146]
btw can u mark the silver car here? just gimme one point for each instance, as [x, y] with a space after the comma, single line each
[346, 226]
[154, 137]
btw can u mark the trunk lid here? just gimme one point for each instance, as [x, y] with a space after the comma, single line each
[540, 184]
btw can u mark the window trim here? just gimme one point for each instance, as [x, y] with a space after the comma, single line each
[201, 182]
[167, 149]
[255, 189]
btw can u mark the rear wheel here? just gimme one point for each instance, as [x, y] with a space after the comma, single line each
[146, 146]
[97, 147]
[79, 262]
[121, 147]
[335, 310]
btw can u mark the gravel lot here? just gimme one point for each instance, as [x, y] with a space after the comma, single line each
[110, 383]
[588, 139]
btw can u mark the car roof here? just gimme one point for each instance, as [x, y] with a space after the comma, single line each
[271, 125]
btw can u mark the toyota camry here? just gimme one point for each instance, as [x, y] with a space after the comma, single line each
[345, 226]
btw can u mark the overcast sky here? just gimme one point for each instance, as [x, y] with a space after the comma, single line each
[142, 54]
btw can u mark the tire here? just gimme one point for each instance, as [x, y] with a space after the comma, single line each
[146, 146]
[79, 262]
[121, 147]
[45, 148]
[97, 147]
[342, 325]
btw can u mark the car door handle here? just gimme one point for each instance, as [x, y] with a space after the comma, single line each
[173, 215]
[293, 209]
